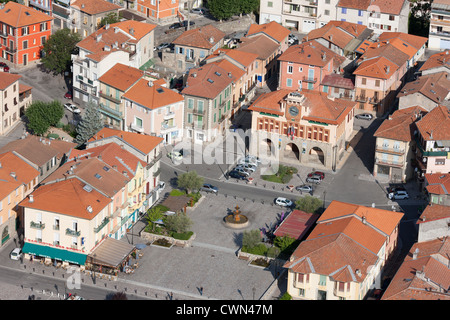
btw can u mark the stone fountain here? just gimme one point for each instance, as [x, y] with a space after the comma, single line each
[236, 219]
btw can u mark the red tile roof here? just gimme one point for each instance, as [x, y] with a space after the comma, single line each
[438, 183]
[437, 60]
[68, 197]
[18, 15]
[435, 125]
[151, 95]
[207, 81]
[339, 33]
[7, 79]
[93, 7]
[434, 212]
[245, 59]
[425, 277]
[401, 124]
[272, 29]
[311, 53]
[203, 37]
[144, 143]
[296, 224]
[434, 86]
[14, 172]
[338, 81]
[380, 68]
[121, 76]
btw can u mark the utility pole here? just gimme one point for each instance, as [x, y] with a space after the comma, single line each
[190, 3]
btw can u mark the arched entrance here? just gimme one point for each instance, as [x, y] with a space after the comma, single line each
[268, 148]
[317, 155]
[292, 152]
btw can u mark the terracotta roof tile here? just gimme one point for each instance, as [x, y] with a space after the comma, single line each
[203, 37]
[338, 80]
[435, 125]
[263, 46]
[311, 53]
[401, 124]
[207, 81]
[152, 96]
[95, 6]
[67, 197]
[121, 76]
[243, 58]
[422, 277]
[39, 150]
[7, 79]
[144, 143]
[438, 183]
[434, 212]
[437, 60]
[435, 86]
[379, 67]
[272, 29]
[13, 172]
[340, 33]
[18, 15]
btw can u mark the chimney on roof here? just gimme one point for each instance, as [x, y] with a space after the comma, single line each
[150, 83]
[132, 31]
[388, 69]
[415, 253]
[107, 26]
[89, 209]
[98, 37]
[363, 219]
[13, 174]
[324, 56]
[211, 40]
[30, 197]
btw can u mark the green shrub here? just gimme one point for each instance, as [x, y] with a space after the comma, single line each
[273, 252]
[53, 135]
[182, 236]
[259, 249]
[286, 296]
[177, 192]
[286, 178]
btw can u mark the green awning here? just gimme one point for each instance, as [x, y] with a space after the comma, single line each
[54, 253]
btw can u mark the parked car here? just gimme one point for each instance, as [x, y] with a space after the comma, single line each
[175, 25]
[162, 185]
[4, 67]
[242, 171]
[16, 254]
[364, 116]
[292, 38]
[318, 174]
[254, 158]
[398, 195]
[209, 188]
[283, 202]
[237, 175]
[72, 108]
[68, 95]
[198, 11]
[162, 46]
[175, 156]
[248, 160]
[394, 188]
[185, 23]
[305, 188]
[247, 166]
[314, 179]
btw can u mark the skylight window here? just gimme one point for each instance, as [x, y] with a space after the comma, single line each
[98, 176]
[218, 73]
[210, 80]
[87, 188]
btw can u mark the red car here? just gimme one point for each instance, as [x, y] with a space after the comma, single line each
[4, 66]
[317, 173]
[68, 95]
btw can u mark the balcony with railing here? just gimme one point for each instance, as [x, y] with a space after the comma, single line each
[73, 233]
[391, 150]
[101, 225]
[388, 162]
[169, 115]
[309, 79]
[361, 98]
[374, 100]
[37, 225]
[110, 111]
[109, 97]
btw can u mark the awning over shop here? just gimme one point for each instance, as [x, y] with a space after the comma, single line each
[54, 253]
[110, 253]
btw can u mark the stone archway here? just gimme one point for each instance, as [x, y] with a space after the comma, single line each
[317, 155]
[292, 152]
[269, 147]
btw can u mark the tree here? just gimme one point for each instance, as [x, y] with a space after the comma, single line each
[178, 223]
[154, 214]
[251, 238]
[57, 50]
[190, 181]
[41, 115]
[249, 6]
[110, 18]
[90, 123]
[223, 9]
[309, 204]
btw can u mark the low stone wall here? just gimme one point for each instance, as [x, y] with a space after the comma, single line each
[151, 237]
